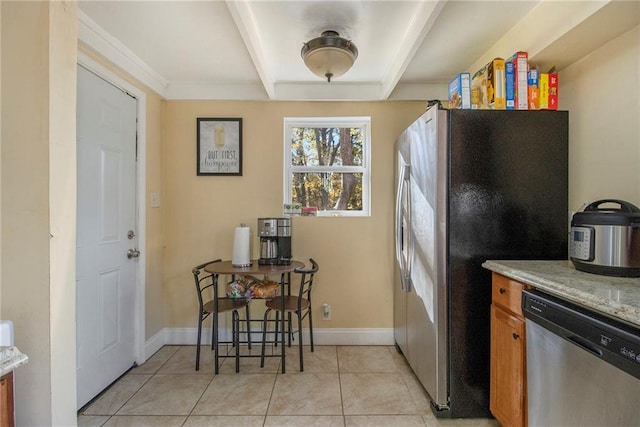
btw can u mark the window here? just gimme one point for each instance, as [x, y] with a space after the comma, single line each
[327, 164]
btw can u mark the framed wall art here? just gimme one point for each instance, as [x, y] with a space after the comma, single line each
[219, 146]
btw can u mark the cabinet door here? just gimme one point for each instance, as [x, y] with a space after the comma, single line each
[508, 385]
[6, 400]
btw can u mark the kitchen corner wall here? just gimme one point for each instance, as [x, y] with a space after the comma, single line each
[355, 254]
[602, 94]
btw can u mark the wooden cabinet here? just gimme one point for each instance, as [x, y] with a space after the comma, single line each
[6, 400]
[508, 399]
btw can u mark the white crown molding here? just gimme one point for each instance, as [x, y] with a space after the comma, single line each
[220, 91]
[94, 36]
[334, 91]
[419, 91]
[289, 91]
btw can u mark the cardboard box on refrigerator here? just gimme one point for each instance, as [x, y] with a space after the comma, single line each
[520, 62]
[533, 89]
[496, 78]
[488, 86]
[460, 92]
[509, 89]
[543, 101]
[479, 96]
[553, 90]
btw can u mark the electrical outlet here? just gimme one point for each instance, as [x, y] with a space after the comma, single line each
[326, 312]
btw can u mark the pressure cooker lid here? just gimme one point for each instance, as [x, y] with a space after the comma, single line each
[627, 214]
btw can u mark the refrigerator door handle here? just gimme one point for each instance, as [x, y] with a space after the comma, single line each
[405, 269]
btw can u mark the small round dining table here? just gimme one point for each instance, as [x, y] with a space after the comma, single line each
[227, 268]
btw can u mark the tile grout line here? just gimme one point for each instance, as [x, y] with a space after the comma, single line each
[149, 379]
[273, 388]
[344, 420]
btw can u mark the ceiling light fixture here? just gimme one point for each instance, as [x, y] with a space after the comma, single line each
[329, 55]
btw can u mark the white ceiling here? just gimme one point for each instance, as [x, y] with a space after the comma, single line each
[250, 49]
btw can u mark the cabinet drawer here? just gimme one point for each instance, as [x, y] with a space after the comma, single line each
[507, 293]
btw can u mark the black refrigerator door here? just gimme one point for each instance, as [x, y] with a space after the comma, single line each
[508, 199]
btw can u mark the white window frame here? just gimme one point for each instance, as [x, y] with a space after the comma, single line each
[365, 169]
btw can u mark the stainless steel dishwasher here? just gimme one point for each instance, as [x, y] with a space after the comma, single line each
[583, 368]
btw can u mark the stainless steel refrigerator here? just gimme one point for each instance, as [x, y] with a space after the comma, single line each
[471, 185]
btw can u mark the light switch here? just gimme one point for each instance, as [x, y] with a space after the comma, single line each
[155, 199]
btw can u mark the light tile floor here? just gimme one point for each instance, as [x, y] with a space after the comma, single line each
[340, 386]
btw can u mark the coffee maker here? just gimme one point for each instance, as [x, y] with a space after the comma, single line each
[275, 241]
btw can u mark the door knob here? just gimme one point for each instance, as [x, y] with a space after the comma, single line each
[133, 253]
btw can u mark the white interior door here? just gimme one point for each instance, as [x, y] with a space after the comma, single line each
[105, 275]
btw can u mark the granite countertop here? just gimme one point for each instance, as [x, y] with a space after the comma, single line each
[615, 296]
[10, 359]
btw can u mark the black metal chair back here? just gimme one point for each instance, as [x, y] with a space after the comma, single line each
[299, 304]
[205, 284]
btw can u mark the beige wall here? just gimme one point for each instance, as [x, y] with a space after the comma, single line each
[25, 216]
[154, 223]
[602, 93]
[38, 288]
[355, 254]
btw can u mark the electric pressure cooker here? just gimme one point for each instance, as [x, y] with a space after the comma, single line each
[606, 240]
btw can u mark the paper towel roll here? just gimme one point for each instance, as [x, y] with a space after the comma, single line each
[241, 241]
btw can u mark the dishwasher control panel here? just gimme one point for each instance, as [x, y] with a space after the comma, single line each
[616, 342]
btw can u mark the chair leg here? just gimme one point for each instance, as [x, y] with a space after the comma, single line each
[214, 343]
[248, 317]
[310, 327]
[277, 324]
[199, 340]
[300, 340]
[289, 333]
[264, 336]
[235, 329]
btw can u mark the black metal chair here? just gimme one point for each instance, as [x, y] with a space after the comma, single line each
[299, 304]
[204, 281]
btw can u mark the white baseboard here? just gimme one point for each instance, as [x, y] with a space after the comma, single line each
[329, 336]
[364, 336]
[153, 344]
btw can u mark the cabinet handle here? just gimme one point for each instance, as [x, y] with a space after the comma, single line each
[515, 336]
[503, 290]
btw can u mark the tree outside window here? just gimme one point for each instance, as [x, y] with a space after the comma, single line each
[327, 164]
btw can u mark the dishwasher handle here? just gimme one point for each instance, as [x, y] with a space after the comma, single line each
[586, 345]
